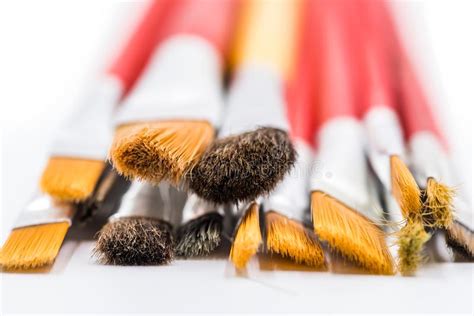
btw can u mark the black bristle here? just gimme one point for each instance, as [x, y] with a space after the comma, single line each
[243, 167]
[200, 236]
[135, 241]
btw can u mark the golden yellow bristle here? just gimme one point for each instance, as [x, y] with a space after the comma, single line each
[410, 241]
[33, 246]
[160, 150]
[70, 179]
[439, 198]
[292, 240]
[404, 189]
[351, 234]
[247, 239]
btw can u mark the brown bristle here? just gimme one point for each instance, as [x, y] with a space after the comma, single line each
[410, 240]
[135, 241]
[461, 238]
[33, 246]
[292, 240]
[243, 167]
[405, 190]
[159, 150]
[247, 239]
[70, 179]
[351, 234]
[438, 205]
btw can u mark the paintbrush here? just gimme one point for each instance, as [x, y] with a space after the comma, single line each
[342, 212]
[140, 233]
[168, 119]
[253, 152]
[78, 154]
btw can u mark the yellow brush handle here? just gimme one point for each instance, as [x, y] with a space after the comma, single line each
[267, 34]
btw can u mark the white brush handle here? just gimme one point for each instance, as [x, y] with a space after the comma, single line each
[44, 210]
[183, 81]
[384, 138]
[256, 98]
[429, 159]
[196, 207]
[341, 166]
[291, 196]
[88, 132]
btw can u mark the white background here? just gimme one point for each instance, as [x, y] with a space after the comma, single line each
[48, 49]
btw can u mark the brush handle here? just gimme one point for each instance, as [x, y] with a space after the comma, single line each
[42, 209]
[183, 80]
[266, 35]
[133, 56]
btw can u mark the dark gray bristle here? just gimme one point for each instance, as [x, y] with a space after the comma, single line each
[134, 241]
[200, 236]
[243, 167]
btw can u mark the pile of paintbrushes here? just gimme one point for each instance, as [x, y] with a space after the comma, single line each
[321, 145]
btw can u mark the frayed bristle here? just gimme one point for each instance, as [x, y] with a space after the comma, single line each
[438, 205]
[33, 246]
[292, 240]
[410, 240]
[247, 238]
[461, 238]
[243, 167]
[405, 190]
[133, 241]
[69, 179]
[350, 234]
[161, 150]
[200, 236]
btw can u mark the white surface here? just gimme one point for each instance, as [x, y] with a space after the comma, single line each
[47, 47]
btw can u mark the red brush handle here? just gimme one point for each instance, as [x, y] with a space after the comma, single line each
[335, 56]
[300, 88]
[415, 110]
[134, 55]
[212, 20]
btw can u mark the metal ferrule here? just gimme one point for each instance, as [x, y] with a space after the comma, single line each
[196, 207]
[291, 197]
[44, 210]
[256, 98]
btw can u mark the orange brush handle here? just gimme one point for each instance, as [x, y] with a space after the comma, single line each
[300, 91]
[335, 55]
[212, 20]
[134, 55]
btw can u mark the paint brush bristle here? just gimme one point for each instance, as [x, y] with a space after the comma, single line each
[292, 240]
[243, 167]
[461, 238]
[410, 241]
[350, 234]
[405, 190]
[33, 246]
[438, 204]
[248, 237]
[160, 150]
[71, 179]
[134, 241]
[200, 236]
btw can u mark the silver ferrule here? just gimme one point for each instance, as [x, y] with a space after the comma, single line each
[196, 207]
[44, 210]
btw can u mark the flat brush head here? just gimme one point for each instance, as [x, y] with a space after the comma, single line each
[70, 179]
[350, 234]
[160, 150]
[410, 240]
[200, 236]
[461, 238]
[292, 240]
[438, 204]
[244, 166]
[405, 190]
[134, 241]
[247, 238]
[33, 246]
